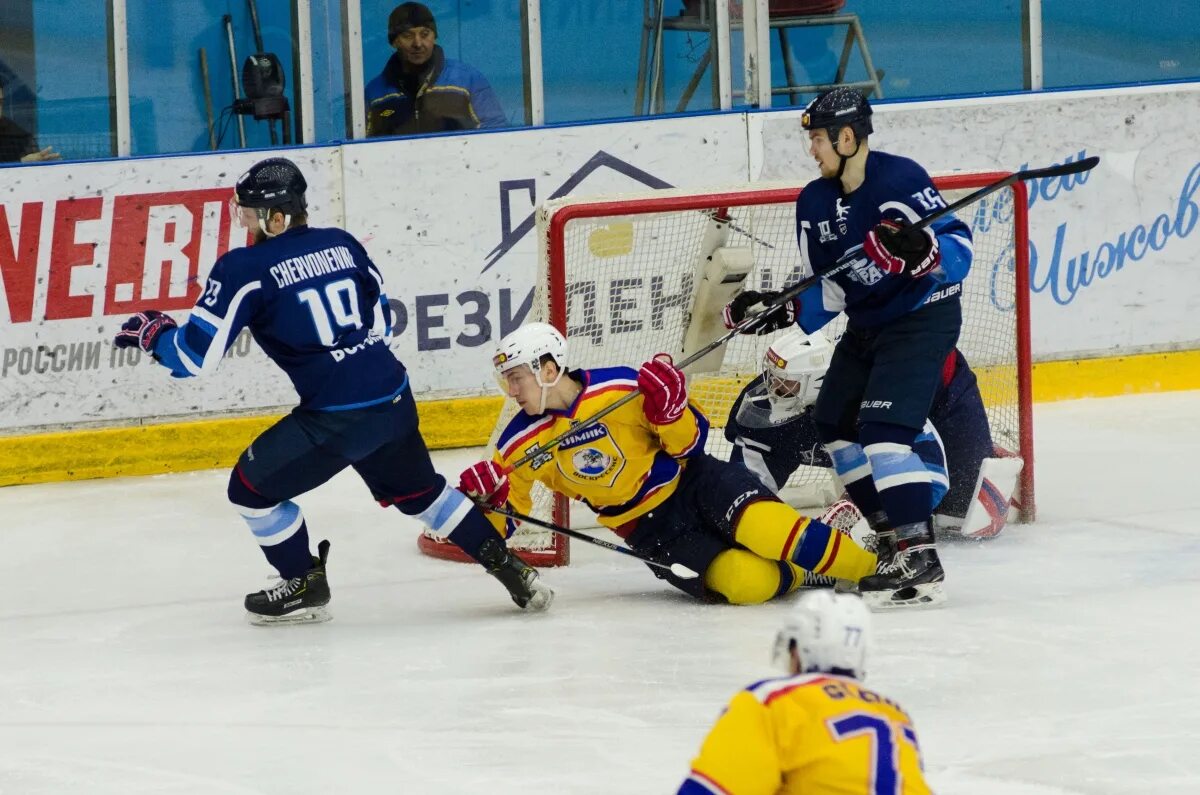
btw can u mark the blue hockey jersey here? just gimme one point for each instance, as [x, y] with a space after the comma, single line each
[831, 227]
[314, 303]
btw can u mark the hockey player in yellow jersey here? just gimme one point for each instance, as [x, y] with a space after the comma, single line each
[817, 731]
[644, 471]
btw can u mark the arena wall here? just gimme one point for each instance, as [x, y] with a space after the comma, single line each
[448, 219]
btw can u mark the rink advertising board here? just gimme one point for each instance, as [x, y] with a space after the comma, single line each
[84, 245]
[1113, 250]
[449, 221]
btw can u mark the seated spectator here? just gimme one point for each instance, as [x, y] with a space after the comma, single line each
[421, 90]
[16, 143]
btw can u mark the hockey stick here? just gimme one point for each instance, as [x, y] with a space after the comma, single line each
[227, 21]
[785, 297]
[678, 569]
[208, 104]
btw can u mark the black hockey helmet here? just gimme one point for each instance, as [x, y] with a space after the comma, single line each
[837, 108]
[274, 183]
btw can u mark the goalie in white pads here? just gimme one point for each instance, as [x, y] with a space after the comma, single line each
[644, 471]
[773, 433]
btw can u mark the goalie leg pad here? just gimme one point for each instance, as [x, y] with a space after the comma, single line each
[994, 490]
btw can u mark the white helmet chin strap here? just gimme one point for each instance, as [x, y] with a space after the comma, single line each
[537, 376]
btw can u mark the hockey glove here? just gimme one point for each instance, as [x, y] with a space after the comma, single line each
[751, 301]
[143, 330]
[486, 482]
[897, 249]
[664, 390]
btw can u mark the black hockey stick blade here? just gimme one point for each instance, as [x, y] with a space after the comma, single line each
[1075, 167]
[678, 569]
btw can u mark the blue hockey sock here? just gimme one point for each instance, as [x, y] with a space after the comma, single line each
[452, 515]
[903, 482]
[854, 469]
[281, 532]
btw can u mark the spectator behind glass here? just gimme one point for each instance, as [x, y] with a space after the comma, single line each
[16, 143]
[421, 90]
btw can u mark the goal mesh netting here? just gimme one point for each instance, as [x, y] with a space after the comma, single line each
[619, 277]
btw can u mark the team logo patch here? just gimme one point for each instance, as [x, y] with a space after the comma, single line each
[589, 434]
[843, 211]
[591, 463]
[863, 271]
[775, 359]
[499, 359]
[827, 235]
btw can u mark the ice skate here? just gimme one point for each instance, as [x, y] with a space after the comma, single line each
[909, 573]
[300, 600]
[521, 579]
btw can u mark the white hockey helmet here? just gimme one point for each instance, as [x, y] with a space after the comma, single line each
[527, 346]
[793, 369]
[829, 631]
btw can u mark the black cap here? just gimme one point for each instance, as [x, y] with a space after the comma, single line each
[410, 15]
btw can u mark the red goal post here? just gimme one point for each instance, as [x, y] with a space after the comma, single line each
[626, 277]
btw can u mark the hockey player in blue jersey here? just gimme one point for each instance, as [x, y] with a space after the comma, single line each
[314, 303]
[773, 433]
[900, 293]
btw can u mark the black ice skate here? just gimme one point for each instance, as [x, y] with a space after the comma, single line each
[516, 575]
[300, 600]
[909, 572]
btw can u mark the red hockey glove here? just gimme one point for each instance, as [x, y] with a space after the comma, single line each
[751, 301]
[143, 330]
[897, 249]
[485, 481]
[664, 390]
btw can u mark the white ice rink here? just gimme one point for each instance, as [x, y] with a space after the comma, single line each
[1064, 662]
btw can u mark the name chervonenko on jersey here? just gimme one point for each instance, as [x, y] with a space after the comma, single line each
[342, 353]
[864, 271]
[843, 211]
[591, 464]
[588, 434]
[327, 260]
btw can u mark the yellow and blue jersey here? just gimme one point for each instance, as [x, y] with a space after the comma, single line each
[622, 467]
[817, 734]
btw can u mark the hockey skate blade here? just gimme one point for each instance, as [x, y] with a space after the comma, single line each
[922, 596]
[309, 615]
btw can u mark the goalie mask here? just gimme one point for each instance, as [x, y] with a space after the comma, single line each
[829, 632]
[793, 369]
[527, 347]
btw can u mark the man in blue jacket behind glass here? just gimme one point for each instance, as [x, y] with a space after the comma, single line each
[421, 90]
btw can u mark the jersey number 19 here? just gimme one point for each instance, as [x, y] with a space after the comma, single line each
[338, 307]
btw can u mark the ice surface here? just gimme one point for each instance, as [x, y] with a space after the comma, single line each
[1062, 664]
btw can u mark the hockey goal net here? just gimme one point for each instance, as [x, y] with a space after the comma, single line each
[627, 277]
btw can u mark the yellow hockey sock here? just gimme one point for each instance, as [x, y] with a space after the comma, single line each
[775, 530]
[744, 578]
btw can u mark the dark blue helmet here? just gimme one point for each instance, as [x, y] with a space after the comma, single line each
[837, 108]
[274, 183]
